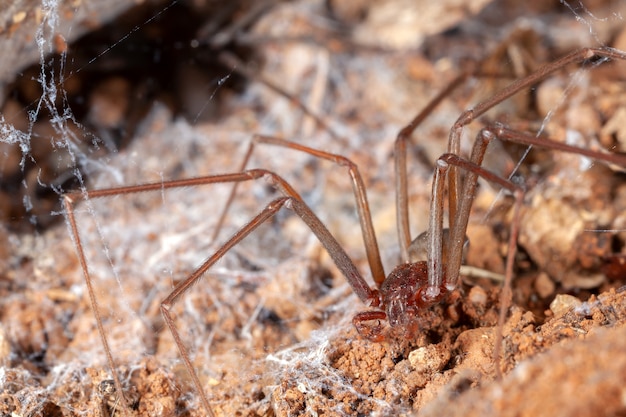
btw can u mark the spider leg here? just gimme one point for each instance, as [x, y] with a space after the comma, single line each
[71, 198]
[468, 116]
[400, 154]
[291, 200]
[333, 247]
[358, 187]
[474, 170]
[458, 228]
[469, 185]
[68, 202]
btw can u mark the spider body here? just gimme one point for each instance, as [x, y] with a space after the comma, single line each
[403, 299]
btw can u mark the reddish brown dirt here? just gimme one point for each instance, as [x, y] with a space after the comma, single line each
[269, 327]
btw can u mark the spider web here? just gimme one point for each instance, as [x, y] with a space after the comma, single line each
[136, 253]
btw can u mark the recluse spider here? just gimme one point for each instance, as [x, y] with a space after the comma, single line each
[400, 298]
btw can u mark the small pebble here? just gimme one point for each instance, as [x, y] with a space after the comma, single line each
[429, 359]
[563, 303]
[478, 296]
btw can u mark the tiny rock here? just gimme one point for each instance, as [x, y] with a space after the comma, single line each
[429, 359]
[478, 296]
[563, 303]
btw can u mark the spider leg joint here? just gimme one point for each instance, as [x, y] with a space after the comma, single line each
[442, 164]
[431, 292]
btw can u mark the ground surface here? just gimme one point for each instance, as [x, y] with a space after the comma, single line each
[269, 328]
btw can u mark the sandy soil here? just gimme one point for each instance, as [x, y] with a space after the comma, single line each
[269, 328]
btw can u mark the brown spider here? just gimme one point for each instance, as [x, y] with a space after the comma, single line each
[402, 297]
